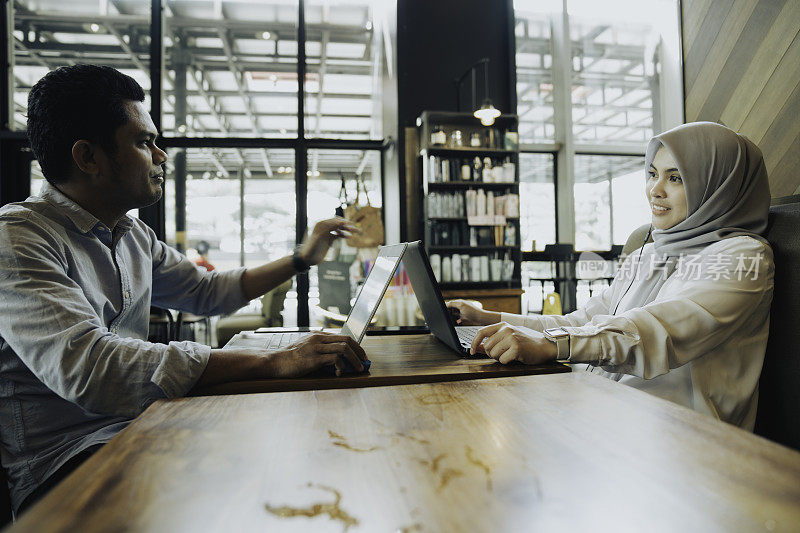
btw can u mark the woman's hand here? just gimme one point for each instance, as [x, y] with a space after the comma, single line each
[471, 314]
[508, 343]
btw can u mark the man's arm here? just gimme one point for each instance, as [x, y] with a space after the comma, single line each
[304, 356]
[259, 280]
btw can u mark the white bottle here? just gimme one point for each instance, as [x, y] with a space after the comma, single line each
[471, 203]
[436, 266]
[447, 270]
[490, 203]
[456, 266]
[480, 209]
[509, 169]
[487, 170]
[498, 174]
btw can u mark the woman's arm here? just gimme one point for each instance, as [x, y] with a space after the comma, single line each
[692, 315]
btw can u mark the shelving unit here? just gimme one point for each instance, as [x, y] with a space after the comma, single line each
[447, 170]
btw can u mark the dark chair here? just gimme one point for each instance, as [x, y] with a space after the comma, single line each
[5, 500]
[636, 240]
[778, 415]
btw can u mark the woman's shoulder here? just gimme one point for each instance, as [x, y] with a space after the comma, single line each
[740, 245]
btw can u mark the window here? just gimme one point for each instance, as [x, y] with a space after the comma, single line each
[243, 211]
[609, 200]
[344, 51]
[52, 33]
[534, 57]
[361, 170]
[537, 201]
[614, 73]
[621, 61]
[231, 68]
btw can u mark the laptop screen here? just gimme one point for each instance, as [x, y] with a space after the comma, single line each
[378, 279]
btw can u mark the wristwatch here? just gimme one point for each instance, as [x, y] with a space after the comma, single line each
[561, 338]
[299, 264]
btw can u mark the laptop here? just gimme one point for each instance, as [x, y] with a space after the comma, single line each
[430, 300]
[367, 301]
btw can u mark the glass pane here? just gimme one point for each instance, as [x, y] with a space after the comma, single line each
[52, 33]
[609, 200]
[344, 268]
[231, 68]
[537, 201]
[615, 71]
[534, 57]
[344, 50]
[213, 214]
[215, 192]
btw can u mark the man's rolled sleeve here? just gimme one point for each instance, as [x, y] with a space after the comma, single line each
[181, 367]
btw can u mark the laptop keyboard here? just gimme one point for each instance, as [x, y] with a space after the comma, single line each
[466, 334]
[281, 340]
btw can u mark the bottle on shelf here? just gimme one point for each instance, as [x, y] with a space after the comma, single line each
[509, 171]
[480, 209]
[476, 169]
[487, 170]
[475, 140]
[466, 171]
[438, 136]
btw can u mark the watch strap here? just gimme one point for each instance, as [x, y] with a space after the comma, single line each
[298, 262]
[561, 338]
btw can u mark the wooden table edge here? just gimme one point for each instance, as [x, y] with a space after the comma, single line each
[363, 381]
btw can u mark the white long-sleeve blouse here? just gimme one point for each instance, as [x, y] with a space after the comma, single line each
[700, 342]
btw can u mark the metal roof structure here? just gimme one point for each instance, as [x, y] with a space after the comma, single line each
[230, 71]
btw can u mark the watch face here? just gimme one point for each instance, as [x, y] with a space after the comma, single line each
[556, 332]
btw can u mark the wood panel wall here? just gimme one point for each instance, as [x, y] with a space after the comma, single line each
[742, 69]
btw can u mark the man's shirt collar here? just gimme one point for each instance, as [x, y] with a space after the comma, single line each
[80, 217]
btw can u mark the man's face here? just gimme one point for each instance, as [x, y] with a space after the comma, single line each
[132, 176]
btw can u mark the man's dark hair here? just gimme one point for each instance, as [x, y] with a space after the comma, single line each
[73, 103]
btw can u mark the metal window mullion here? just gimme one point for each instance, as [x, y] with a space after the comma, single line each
[301, 163]
[7, 66]
[241, 215]
[562, 108]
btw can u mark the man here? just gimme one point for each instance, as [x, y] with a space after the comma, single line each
[78, 276]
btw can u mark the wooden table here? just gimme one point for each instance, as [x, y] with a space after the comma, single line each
[565, 452]
[396, 360]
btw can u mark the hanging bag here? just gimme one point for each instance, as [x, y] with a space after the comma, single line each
[367, 218]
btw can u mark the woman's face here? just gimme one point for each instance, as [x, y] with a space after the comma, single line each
[665, 191]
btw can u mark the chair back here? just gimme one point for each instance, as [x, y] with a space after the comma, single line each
[636, 240]
[5, 500]
[778, 417]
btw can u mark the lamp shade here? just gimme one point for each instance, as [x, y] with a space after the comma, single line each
[487, 113]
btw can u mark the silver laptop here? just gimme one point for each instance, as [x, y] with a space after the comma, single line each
[367, 301]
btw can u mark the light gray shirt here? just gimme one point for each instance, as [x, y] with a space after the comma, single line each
[75, 296]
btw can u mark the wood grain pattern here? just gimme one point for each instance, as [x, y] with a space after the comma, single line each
[566, 452]
[396, 360]
[742, 68]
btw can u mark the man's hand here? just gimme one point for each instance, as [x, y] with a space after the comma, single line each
[471, 314]
[316, 350]
[306, 355]
[316, 245]
[508, 343]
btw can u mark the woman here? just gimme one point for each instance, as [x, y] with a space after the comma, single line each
[687, 316]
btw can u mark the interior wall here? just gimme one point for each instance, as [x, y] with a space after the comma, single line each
[742, 69]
